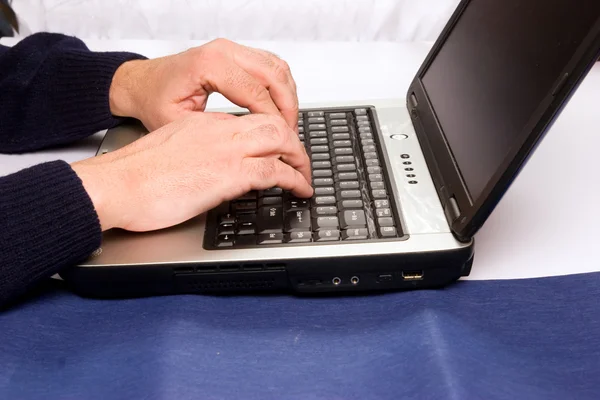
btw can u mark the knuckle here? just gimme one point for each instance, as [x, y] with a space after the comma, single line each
[280, 72]
[265, 169]
[270, 132]
[260, 93]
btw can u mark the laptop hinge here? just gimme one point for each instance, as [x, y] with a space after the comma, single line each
[451, 210]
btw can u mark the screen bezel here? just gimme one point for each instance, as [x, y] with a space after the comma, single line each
[443, 168]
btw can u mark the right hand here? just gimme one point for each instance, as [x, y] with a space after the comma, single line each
[175, 173]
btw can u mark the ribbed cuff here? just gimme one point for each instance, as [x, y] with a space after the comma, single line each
[81, 88]
[47, 222]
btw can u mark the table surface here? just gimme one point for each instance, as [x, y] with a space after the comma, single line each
[545, 224]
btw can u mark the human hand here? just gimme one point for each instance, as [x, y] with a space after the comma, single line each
[162, 90]
[175, 173]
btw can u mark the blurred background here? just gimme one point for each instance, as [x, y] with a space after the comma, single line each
[283, 20]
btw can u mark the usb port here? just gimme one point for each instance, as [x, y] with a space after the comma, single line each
[412, 275]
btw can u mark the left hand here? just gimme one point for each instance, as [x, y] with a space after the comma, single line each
[161, 90]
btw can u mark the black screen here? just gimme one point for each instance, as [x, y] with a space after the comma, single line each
[502, 58]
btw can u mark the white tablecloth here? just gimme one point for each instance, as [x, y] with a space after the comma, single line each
[547, 222]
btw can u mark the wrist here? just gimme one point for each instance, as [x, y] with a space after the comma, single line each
[98, 189]
[124, 89]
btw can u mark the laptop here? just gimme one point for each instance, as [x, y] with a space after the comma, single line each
[401, 186]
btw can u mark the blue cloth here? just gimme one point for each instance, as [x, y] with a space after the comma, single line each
[516, 339]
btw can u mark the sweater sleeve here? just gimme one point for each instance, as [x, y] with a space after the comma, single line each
[54, 90]
[47, 223]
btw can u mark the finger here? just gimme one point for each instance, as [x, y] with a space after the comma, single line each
[265, 173]
[243, 89]
[275, 75]
[264, 136]
[279, 59]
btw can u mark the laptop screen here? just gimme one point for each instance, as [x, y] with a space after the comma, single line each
[498, 63]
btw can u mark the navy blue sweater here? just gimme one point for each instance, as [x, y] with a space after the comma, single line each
[53, 91]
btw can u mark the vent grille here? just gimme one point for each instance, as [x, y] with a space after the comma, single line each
[207, 284]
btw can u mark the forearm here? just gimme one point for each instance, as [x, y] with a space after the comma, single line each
[47, 223]
[53, 91]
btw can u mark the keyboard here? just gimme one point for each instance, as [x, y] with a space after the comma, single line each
[352, 200]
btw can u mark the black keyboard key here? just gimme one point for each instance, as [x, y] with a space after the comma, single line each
[326, 210]
[224, 241]
[319, 149]
[320, 156]
[325, 223]
[382, 203]
[324, 191]
[347, 204]
[338, 122]
[297, 221]
[379, 194]
[227, 219]
[323, 200]
[347, 185]
[338, 129]
[271, 192]
[240, 207]
[321, 164]
[322, 173]
[245, 240]
[355, 234]
[349, 194]
[318, 134]
[270, 219]
[377, 185]
[225, 229]
[327, 235]
[319, 140]
[316, 127]
[367, 142]
[344, 159]
[353, 219]
[342, 143]
[298, 237]
[387, 231]
[312, 114]
[347, 176]
[383, 212]
[385, 221]
[323, 182]
[250, 196]
[345, 167]
[316, 120]
[246, 228]
[293, 204]
[270, 238]
[340, 136]
[270, 201]
[337, 115]
[343, 151]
